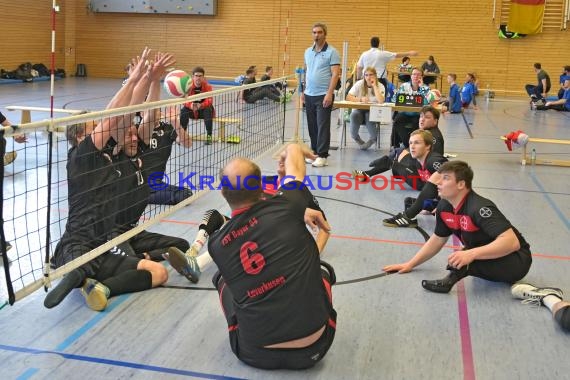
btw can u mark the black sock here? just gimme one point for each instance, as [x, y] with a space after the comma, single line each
[156, 254]
[458, 274]
[130, 281]
[72, 280]
[429, 191]
[380, 166]
[562, 316]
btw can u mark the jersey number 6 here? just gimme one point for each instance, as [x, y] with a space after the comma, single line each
[252, 262]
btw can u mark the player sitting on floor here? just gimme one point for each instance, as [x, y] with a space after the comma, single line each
[419, 169]
[492, 248]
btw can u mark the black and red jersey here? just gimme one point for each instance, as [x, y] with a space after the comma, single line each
[438, 142]
[270, 262]
[476, 221]
[431, 165]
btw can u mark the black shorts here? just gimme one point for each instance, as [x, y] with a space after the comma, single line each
[510, 268]
[111, 265]
[407, 168]
[279, 358]
[285, 358]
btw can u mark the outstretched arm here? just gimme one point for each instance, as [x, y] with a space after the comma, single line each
[428, 250]
[108, 127]
[151, 86]
[411, 53]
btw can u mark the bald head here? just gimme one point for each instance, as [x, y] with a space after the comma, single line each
[241, 183]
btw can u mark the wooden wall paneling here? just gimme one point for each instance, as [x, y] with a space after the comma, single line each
[26, 34]
[462, 36]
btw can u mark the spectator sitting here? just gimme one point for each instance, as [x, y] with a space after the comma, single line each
[200, 109]
[565, 75]
[367, 90]
[560, 104]
[406, 122]
[405, 67]
[430, 67]
[538, 93]
[453, 102]
[276, 87]
[252, 95]
[468, 91]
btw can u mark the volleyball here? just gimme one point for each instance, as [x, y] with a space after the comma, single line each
[433, 96]
[177, 83]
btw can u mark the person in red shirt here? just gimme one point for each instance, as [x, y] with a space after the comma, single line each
[200, 109]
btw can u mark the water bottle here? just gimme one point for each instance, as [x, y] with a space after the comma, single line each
[533, 156]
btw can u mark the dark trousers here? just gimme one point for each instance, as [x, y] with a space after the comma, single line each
[406, 168]
[155, 244]
[429, 80]
[402, 127]
[278, 358]
[534, 91]
[205, 113]
[170, 195]
[557, 107]
[509, 269]
[260, 93]
[319, 124]
[384, 82]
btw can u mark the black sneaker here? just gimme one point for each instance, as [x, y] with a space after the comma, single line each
[445, 284]
[408, 202]
[400, 220]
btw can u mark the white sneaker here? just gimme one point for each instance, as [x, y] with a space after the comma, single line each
[530, 294]
[309, 160]
[320, 162]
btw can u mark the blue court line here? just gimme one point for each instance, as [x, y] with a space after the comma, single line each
[28, 374]
[550, 200]
[117, 363]
[92, 322]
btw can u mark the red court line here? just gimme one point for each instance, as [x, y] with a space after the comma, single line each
[180, 222]
[465, 333]
[545, 256]
[374, 240]
[464, 329]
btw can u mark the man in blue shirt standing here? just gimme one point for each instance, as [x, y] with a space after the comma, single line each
[322, 68]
